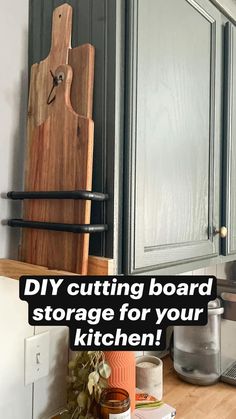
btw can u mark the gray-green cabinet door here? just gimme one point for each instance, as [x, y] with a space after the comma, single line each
[229, 167]
[172, 133]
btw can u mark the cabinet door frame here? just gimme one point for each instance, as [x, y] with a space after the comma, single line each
[230, 86]
[210, 249]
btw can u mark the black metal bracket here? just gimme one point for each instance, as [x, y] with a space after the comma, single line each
[83, 195]
[70, 228]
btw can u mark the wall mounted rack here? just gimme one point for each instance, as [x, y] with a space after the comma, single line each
[70, 228]
[84, 195]
[50, 226]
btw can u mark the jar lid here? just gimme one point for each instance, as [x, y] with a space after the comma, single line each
[214, 307]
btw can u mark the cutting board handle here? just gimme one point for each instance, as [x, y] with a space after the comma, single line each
[61, 31]
[63, 90]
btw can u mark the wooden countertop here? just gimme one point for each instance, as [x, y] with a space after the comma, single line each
[14, 269]
[197, 402]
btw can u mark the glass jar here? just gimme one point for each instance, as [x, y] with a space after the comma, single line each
[115, 404]
[197, 349]
[123, 366]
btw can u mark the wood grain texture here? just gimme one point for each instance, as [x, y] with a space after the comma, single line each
[61, 42]
[15, 269]
[61, 154]
[81, 92]
[194, 402]
[103, 24]
[100, 266]
[40, 86]
[81, 59]
[173, 133]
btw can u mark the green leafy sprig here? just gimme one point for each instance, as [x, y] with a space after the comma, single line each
[88, 375]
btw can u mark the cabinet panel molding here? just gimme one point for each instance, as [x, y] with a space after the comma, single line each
[229, 166]
[172, 132]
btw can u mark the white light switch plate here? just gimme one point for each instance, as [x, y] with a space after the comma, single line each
[36, 357]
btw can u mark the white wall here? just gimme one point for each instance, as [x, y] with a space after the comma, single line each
[13, 105]
[15, 398]
[50, 391]
[46, 396]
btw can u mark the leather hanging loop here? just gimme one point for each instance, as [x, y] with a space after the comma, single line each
[55, 83]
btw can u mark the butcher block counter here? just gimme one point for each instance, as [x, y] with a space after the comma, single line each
[15, 269]
[197, 402]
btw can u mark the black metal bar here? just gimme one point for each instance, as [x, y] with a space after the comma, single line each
[71, 228]
[85, 195]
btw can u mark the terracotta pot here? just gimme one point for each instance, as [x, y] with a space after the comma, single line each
[123, 365]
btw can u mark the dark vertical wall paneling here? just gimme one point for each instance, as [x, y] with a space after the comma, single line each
[98, 38]
[95, 21]
[35, 32]
[47, 8]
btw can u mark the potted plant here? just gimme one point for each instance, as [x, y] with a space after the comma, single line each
[88, 376]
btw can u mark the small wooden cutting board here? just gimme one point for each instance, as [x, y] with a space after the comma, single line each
[81, 59]
[40, 80]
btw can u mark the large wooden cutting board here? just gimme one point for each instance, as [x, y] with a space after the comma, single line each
[41, 81]
[81, 60]
[60, 159]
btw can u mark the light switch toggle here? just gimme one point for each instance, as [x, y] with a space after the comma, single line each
[36, 357]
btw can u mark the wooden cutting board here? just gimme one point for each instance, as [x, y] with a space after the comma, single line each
[60, 159]
[40, 80]
[81, 60]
